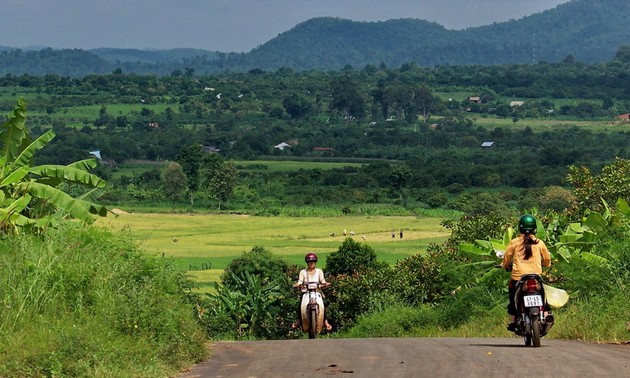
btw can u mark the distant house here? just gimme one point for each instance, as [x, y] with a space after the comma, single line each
[475, 99]
[97, 154]
[517, 103]
[324, 150]
[281, 146]
[487, 144]
[624, 117]
[210, 149]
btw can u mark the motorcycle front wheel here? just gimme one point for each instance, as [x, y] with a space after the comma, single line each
[312, 319]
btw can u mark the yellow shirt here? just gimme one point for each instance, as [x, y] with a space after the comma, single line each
[515, 253]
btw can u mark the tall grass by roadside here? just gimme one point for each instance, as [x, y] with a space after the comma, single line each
[85, 302]
[600, 320]
[597, 310]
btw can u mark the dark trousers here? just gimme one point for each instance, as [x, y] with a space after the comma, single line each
[511, 292]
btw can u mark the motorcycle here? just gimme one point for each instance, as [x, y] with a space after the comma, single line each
[534, 318]
[312, 309]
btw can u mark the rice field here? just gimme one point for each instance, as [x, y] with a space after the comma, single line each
[204, 244]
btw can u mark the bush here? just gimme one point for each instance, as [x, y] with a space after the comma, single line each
[351, 257]
[258, 262]
[256, 298]
[84, 302]
[351, 296]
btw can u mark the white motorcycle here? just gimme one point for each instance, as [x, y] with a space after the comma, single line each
[312, 309]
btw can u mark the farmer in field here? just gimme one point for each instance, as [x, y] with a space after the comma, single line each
[311, 274]
[524, 255]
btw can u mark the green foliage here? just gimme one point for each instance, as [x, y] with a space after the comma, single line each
[395, 321]
[351, 257]
[421, 278]
[249, 308]
[72, 282]
[258, 262]
[470, 228]
[612, 183]
[174, 181]
[255, 298]
[29, 195]
[351, 296]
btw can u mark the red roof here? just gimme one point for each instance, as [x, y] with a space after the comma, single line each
[323, 149]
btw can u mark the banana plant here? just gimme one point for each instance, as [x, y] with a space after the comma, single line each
[565, 241]
[29, 195]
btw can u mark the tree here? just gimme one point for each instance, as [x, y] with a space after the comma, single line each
[424, 100]
[190, 158]
[612, 183]
[351, 257]
[223, 182]
[399, 176]
[346, 98]
[297, 106]
[29, 195]
[174, 181]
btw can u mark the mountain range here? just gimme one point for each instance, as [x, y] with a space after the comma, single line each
[590, 31]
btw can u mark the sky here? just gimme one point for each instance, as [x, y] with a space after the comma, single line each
[222, 25]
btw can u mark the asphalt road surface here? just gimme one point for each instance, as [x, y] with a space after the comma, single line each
[413, 357]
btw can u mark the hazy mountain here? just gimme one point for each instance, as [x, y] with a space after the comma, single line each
[589, 30]
[114, 55]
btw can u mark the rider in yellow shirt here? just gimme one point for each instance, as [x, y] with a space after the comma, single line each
[525, 254]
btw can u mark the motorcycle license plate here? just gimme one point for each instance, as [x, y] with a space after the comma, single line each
[533, 300]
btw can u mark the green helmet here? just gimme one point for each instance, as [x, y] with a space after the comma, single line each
[527, 224]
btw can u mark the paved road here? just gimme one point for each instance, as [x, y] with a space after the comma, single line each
[413, 357]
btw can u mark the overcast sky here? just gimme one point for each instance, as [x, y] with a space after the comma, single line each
[222, 25]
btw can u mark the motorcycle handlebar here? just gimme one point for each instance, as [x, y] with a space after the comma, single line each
[508, 268]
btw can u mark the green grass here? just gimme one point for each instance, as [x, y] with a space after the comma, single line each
[86, 303]
[546, 124]
[289, 166]
[194, 239]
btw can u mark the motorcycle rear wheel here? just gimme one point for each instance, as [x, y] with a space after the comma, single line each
[536, 332]
[312, 319]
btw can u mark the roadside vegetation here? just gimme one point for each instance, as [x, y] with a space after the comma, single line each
[83, 301]
[79, 301]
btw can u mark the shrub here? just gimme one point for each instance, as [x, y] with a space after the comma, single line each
[257, 262]
[351, 296]
[351, 257]
[256, 298]
[84, 302]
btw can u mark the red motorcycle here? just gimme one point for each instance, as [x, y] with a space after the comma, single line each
[534, 319]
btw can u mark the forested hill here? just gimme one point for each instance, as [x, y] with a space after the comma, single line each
[589, 30]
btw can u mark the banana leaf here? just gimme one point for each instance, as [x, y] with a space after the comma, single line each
[15, 176]
[59, 199]
[12, 212]
[71, 174]
[594, 259]
[475, 250]
[26, 156]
